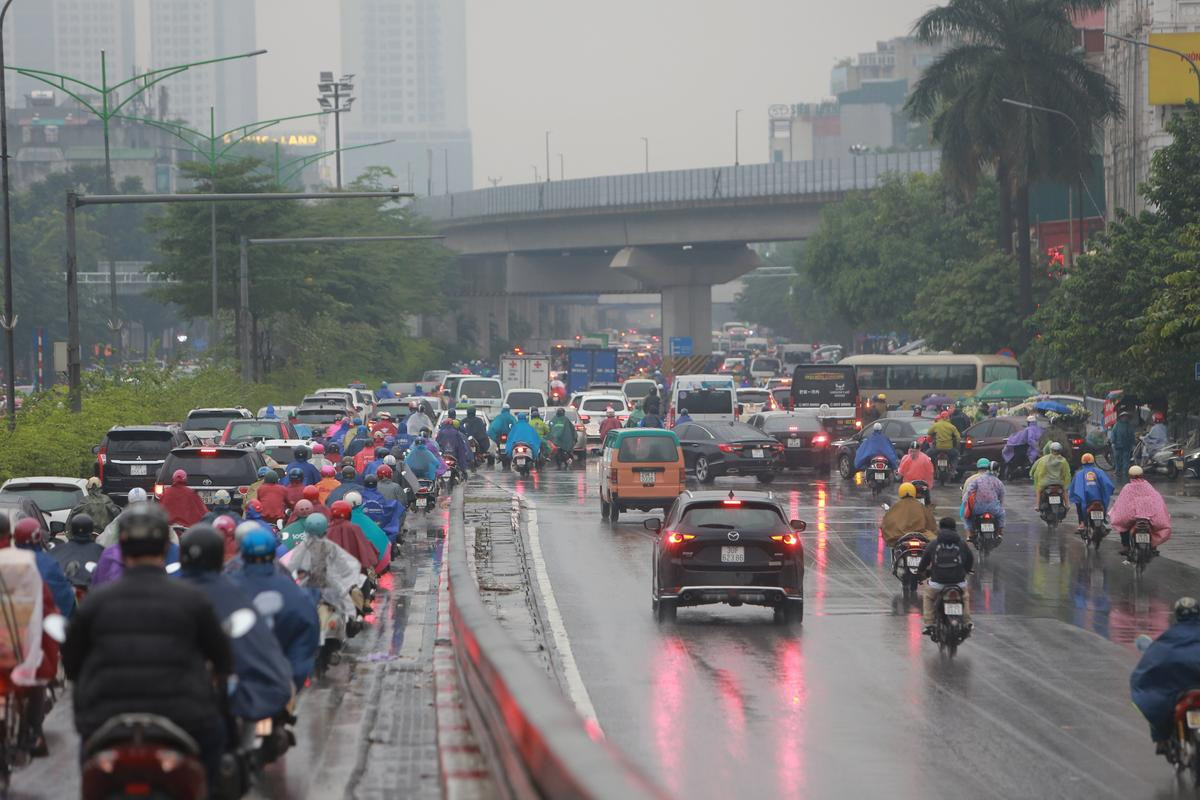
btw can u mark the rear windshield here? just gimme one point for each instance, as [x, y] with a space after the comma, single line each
[705, 401]
[602, 404]
[815, 386]
[724, 517]
[753, 396]
[636, 391]
[432, 375]
[48, 497]
[223, 468]
[763, 364]
[482, 389]
[139, 443]
[642, 449]
[209, 420]
[525, 399]
[780, 424]
[797, 357]
[250, 429]
[284, 454]
[317, 417]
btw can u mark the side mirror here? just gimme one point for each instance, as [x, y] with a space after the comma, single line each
[652, 524]
[799, 525]
[95, 449]
[55, 626]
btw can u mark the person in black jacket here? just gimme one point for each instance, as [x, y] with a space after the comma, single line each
[947, 561]
[652, 405]
[149, 644]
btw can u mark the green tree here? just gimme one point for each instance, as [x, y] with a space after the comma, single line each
[1023, 50]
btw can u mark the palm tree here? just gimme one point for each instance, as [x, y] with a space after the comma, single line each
[1024, 50]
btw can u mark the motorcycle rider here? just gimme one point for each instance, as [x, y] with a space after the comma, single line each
[1169, 667]
[80, 549]
[562, 435]
[916, 466]
[876, 411]
[539, 424]
[1090, 485]
[181, 503]
[1121, 437]
[294, 488]
[322, 566]
[652, 404]
[523, 433]
[1022, 447]
[611, 423]
[1139, 500]
[945, 438]
[501, 424]
[384, 391]
[97, 505]
[473, 427]
[417, 420]
[309, 473]
[146, 643]
[295, 626]
[947, 561]
[273, 497]
[328, 482]
[1050, 470]
[384, 424]
[454, 443]
[264, 676]
[909, 515]
[389, 488]
[222, 507]
[1155, 439]
[372, 466]
[983, 494]
[349, 483]
[385, 515]
[959, 418]
[422, 461]
[876, 444]
[28, 535]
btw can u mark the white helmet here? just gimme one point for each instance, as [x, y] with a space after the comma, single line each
[877, 427]
[390, 460]
[137, 495]
[354, 499]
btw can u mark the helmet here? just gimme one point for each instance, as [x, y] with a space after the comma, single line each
[179, 476]
[318, 449]
[311, 493]
[357, 421]
[412, 405]
[881, 396]
[914, 445]
[258, 545]
[1158, 417]
[327, 471]
[82, 525]
[93, 483]
[1055, 447]
[202, 549]
[534, 412]
[300, 453]
[303, 508]
[389, 460]
[347, 461]
[256, 505]
[28, 531]
[683, 412]
[349, 473]
[384, 472]
[877, 428]
[1135, 471]
[908, 490]
[983, 463]
[1088, 458]
[262, 472]
[505, 407]
[295, 474]
[142, 530]
[371, 481]
[354, 499]
[221, 497]
[316, 525]
[137, 495]
[561, 412]
[450, 413]
[381, 452]
[224, 524]
[341, 510]
[1186, 608]
[243, 528]
[271, 477]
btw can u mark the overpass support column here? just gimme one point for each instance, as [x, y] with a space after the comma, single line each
[685, 277]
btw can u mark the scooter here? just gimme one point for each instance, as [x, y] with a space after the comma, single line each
[522, 459]
[950, 629]
[906, 559]
[426, 499]
[1183, 748]
[1053, 508]
[879, 475]
[450, 476]
[986, 533]
[922, 492]
[1141, 547]
[1167, 460]
[142, 755]
[1095, 525]
[941, 465]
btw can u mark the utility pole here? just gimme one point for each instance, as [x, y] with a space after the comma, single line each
[547, 156]
[646, 151]
[10, 321]
[737, 137]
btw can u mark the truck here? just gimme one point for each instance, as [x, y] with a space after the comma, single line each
[525, 372]
[588, 365]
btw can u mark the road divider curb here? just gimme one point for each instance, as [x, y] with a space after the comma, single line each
[535, 742]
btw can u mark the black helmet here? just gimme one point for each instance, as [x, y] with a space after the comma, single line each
[142, 531]
[562, 412]
[451, 414]
[82, 525]
[380, 452]
[471, 412]
[300, 453]
[370, 481]
[349, 473]
[271, 477]
[202, 549]
[1186, 609]
[347, 461]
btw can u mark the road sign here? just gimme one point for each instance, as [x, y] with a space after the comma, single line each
[681, 346]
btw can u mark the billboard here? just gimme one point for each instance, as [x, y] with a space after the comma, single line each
[1172, 81]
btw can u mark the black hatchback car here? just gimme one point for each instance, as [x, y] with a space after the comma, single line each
[805, 441]
[210, 469]
[131, 456]
[718, 547]
[713, 449]
[900, 431]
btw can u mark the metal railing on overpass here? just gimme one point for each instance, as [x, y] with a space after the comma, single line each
[779, 181]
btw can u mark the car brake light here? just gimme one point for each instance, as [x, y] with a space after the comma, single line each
[585, 418]
[726, 448]
[820, 440]
[793, 428]
[243, 490]
[968, 443]
[208, 451]
[858, 424]
[580, 427]
[731, 502]
[1076, 442]
[139, 789]
[790, 539]
[674, 537]
[158, 489]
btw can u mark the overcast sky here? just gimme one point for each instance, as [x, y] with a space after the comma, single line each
[601, 75]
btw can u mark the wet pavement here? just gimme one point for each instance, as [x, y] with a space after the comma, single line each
[855, 702]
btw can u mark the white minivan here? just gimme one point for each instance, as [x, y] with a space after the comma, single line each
[710, 398]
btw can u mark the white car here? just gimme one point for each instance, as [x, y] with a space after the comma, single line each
[593, 408]
[635, 389]
[354, 397]
[752, 401]
[55, 496]
[281, 412]
[486, 394]
[525, 399]
[283, 452]
[205, 425]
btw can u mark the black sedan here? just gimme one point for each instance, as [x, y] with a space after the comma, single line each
[805, 441]
[900, 431]
[717, 547]
[713, 449]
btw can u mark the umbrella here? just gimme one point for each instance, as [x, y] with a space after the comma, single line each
[1051, 405]
[937, 400]
[1007, 389]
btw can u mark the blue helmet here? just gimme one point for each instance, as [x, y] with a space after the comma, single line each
[258, 544]
[262, 471]
[316, 525]
[295, 473]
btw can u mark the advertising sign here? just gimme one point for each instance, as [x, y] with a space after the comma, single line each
[1172, 81]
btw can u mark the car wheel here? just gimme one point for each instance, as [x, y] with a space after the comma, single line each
[845, 466]
[603, 508]
[703, 470]
[765, 477]
[664, 610]
[789, 612]
[614, 509]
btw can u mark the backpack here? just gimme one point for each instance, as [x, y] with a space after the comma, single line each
[947, 557]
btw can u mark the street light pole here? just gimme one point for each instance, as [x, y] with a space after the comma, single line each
[562, 168]
[547, 156]
[9, 321]
[646, 151]
[337, 133]
[1190, 61]
[737, 137]
[332, 99]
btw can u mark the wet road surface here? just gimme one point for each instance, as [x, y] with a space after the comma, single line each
[855, 702]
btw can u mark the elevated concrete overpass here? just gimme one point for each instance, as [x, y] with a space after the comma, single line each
[673, 233]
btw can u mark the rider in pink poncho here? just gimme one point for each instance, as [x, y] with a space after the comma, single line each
[1140, 500]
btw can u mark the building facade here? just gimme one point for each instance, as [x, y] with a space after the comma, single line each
[408, 58]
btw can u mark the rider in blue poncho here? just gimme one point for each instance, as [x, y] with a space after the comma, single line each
[1090, 485]
[1169, 667]
[523, 432]
[421, 461]
[501, 424]
[876, 444]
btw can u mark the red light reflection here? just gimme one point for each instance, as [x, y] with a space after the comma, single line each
[790, 719]
[667, 701]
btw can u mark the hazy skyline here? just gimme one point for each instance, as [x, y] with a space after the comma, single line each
[600, 78]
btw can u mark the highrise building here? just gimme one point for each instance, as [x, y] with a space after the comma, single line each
[409, 62]
[66, 36]
[183, 31]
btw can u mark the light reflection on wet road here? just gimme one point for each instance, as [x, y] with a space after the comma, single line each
[856, 703]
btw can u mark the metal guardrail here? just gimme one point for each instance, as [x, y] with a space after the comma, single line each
[715, 185]
[535, 739]
[123, 278]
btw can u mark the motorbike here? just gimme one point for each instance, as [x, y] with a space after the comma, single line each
[1053, 508]
[562, 458]
[481, 450]
[1095, 526]
[1191, 464]
[1141, 547]
[941, 467]
[333, 633]
[879, 475]
[906, 559]
[1167, 460]
[950, 629]
[1183, 749]
[450, 476]
[426, 499]
[142, 755]
[522, 459]
[502, 447]
[986, 533]
[922, 492]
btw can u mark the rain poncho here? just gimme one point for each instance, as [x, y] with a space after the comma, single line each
[453, 442]
[523, 433]
[422, 462]
[111, 566]
[1140, 500]
[1090, 485]
[98, 506]
[916, 466]
[384, 426]
[944, 435]
[1155, 439]
[264, 675]
[1169, 667]
[474, 428]
[376, 536]
[295, 626]
[273, 498]
[325, 486]
[417, 422]
[343, 488]
[1027, 437]
[877, 444]
[73, 556]
[984, 495]
[182, 505]
[1050, 470]
[682, 419]
[501, 425]
[384, 391]
[330, 570]
[311, 473]
[909, 515]
[386, 515]
[361, 439]
[337, 431]
[1121, 435]
[52, 575]
[612, 423]
[562, 433]
[24, 598]
[348, 536]
[540, 426]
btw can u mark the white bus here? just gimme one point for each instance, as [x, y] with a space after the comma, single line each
[908, 379]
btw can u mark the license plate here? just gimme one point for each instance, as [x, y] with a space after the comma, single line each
[943, 463]
[1055, 500]
[793, 442]
[987, 527]
[1142, 538]
[733, 555]
[914, 561]
[756, 453]
[880, 476]
[1098, 516]
[953, 609]
[137, 469]
[647, 479]
[424, 502]
[207, 497]
[1193, 718]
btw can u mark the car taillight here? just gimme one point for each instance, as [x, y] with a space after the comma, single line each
[612, 475]
[682, 476]
[580, 427]
[1076, 442]
[158, 489]
[858, 424]
[243, 490]
[727, 448]
[731, 502]
[208, 451]
[585, 418]
[674, 537]
[101, 460]
[820, 440]
[968, 443]
[790, 539]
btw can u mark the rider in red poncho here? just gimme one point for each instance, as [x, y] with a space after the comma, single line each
[181, 503]
[350, 537]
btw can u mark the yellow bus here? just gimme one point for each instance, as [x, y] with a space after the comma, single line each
[908, 379]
